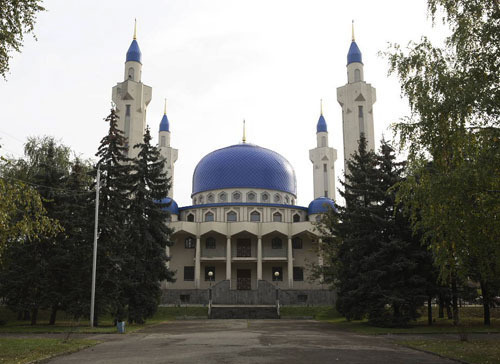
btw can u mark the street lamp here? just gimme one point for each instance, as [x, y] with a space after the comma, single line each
[210, 275]
[277, 275]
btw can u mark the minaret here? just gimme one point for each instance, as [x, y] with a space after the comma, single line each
[323, 158]
[356, 99]
[131, 98]
[166, 151]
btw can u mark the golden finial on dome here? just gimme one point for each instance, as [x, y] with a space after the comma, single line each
[135, 28]
[321, 106]
[244, 140]
[352, 30]
[165, 108]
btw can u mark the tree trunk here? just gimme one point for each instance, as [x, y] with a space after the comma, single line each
[53, 314]
[26, 316]
[441, 307]
[429, 310]
[34, 316]
[454, 298]
[449, 314]
[486, 302]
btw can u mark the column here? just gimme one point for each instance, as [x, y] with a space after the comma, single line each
[228, 260]
[197, 263]
[290, 263]
[259, 258]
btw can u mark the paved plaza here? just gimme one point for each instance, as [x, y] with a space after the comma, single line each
[246, 341]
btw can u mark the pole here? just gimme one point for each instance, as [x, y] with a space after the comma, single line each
[94, 258]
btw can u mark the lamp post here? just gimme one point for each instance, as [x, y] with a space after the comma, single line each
[210, 275]
[277, 276]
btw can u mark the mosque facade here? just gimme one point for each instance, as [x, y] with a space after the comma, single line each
[244, 231]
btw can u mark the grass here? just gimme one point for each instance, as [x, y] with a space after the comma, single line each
[316, 312]
[65, 323]
[475, 351]
[471, 322]
[28, 350]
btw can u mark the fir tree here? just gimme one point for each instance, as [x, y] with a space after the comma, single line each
[148, 234]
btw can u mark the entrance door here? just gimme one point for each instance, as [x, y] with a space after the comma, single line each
[243, 248]
[243, 279]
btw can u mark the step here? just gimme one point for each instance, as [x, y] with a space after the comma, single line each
[244, 312]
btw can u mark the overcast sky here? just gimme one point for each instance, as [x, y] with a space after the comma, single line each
[218, 62]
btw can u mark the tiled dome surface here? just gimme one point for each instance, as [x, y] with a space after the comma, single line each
[134, 53]
[244, 166]
[320, 205]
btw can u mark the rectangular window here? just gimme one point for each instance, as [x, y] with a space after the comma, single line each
[163, 141]
[210, 243]
[189, 273]
[277, 277]
[324, 167]
[276, 243]
[298, 273]
[207, 276]
[189, 243]
[361, 121]
[297, 243]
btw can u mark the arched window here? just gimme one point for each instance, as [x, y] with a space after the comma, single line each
[190, 218]
[277, 217]
[236, 196]
[255, 216]
[131, 73]
[276, 243]
[323, 141]
[357, 75]
[209, 216]
[163, 141]
[232, 216]
[296, 218]
[297, 243]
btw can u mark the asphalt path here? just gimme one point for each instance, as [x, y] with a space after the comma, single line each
[246, 341]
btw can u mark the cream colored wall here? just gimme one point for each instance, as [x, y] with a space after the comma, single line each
[220, 273]
[303, 258]
[179, 258]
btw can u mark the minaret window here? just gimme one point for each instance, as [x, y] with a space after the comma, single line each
[277, 217]
[357, 75]
[131, 73]
[232, 216]
[255, 216]
[209, 216]
[127, 121]
[361, 121]
[323, 141]
[163, 141]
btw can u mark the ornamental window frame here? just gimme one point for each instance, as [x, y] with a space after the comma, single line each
[254, 198]
[232, 213]
[236, 196]
[255, 213]
[296, 217]
[209, 216]
[222, 197]
[264, 197]
[210, 198]
[190, 217]
[277, 198]
[277, 216]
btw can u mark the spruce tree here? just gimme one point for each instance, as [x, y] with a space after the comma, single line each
[113, 204]
[147, 232]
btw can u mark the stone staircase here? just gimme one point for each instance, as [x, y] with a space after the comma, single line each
[243, 312]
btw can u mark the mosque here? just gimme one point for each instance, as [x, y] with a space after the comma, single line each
[244, 234]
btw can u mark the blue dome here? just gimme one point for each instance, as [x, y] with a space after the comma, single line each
[164, 124]
[244, 166]
[172, 208]
[134, 53]
[354, 54]
[321, 126]
[320, 205]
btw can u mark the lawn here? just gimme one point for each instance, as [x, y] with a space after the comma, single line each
[20, 351]
[66, 324]
[475, 351]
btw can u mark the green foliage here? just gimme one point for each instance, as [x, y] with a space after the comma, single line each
[17, 17]
[148, 234]
[452, 137]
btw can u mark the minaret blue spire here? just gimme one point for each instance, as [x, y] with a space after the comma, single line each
[134, 53]
[164, 124]
[321, 126]
[354, 54]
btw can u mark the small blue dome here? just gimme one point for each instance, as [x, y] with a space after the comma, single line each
[354, 54]
[164, 124]
[244, 166]
[173, 208]
[321, 126]
[134, 53]
[320, 205]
